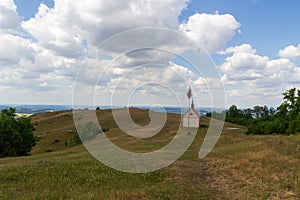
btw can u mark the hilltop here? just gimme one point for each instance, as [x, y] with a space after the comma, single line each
[239, 167]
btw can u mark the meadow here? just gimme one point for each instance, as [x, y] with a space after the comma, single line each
[239, 167]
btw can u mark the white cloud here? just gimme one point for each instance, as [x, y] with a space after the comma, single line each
[291, 52]
[53, 31]
[14, 49]
[255, 78]
[63, 35]
[9, 19]
[65, 27]
[211, 31]
[163, 84]
[9, 4]
[244, 48]
[244, 64]
[44, 84]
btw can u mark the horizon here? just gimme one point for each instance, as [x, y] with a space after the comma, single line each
[128, 106]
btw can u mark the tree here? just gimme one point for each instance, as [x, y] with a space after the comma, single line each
[237, 116]
[233, 112]
[265, 111]
[286, 120]
[290, 97]
[258, 110]
[247, 113]
[272, 111]
[16, 134]
[292, 103]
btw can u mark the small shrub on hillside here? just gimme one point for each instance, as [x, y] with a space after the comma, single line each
[55, 141]
[75, 140]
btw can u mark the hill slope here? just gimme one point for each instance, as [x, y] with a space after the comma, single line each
[239, 167]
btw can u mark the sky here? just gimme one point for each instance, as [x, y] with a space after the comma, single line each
[66, 51]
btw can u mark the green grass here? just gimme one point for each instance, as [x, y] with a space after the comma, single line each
[239, 167]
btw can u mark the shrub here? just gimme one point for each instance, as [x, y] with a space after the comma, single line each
[16, 134]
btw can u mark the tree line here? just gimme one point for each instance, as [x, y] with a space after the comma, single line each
[264, 120]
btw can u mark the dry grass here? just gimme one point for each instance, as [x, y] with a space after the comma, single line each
[256, 167]
[239, 167]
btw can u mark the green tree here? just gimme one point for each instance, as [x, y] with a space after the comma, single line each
[237, 116]
[292, 103]
[233, 112]
[258, 111]
[286, 120]
[247, 113]
[289, 97]
[16, 134]
[265, 111]
[272, 111]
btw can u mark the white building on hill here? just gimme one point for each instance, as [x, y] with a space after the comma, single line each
[191, 118]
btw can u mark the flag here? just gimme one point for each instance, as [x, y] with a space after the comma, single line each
[189, 93]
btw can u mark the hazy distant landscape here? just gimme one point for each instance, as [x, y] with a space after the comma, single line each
[34, 109]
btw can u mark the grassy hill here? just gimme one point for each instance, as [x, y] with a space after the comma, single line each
[239, 167]
[53, 130]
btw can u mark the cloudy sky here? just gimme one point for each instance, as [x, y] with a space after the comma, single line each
[44, 44]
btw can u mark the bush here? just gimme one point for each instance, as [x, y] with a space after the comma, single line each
[55, 141]
[75, 140]
[294, 126]
[284, 120]
[275, 126]
[256, 127]
[16, 134]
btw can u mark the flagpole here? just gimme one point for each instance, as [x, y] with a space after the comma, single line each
[189, 95]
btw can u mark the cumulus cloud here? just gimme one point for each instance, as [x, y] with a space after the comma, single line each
[153, 82]
[24, 66]
[244, 63]
[9, 4]
[9, 18]
[69, 24]
[53, 31]
[244, 48]
[250, 75]
[47, 60]
[291, 52]
[14, 49]
[211, 31]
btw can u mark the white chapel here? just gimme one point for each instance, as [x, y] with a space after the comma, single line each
[191, 118]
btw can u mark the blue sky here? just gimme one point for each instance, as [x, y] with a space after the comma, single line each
[27, 9]
[267, 25]
[254, 43]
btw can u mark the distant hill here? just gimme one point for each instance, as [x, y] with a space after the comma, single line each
[34, 109]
